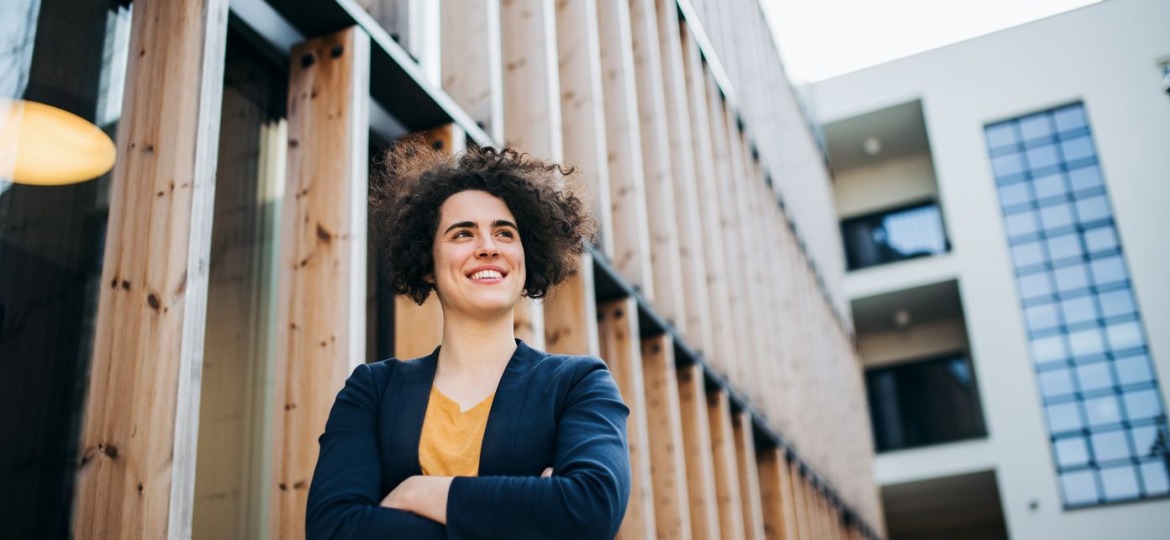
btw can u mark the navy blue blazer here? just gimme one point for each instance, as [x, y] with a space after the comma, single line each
[556, 411]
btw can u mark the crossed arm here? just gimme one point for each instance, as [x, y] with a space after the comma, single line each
[586, 499]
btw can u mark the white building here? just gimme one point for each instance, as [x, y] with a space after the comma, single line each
[1004, 200]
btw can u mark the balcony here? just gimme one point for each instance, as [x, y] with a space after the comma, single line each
[894, 235]
[924, 403]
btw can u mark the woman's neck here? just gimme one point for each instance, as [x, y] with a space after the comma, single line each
[475, 347]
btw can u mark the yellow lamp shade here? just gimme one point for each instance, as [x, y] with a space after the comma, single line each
[44, 145]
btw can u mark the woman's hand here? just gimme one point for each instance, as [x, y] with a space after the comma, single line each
[423, 495]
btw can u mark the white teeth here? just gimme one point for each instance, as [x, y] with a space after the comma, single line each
[487, 274]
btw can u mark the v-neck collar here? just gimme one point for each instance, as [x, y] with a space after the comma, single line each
[413, 390]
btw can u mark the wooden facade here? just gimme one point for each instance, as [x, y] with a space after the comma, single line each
[722, 327]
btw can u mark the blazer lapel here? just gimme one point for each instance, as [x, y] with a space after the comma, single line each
[406, 407]
[497, 455]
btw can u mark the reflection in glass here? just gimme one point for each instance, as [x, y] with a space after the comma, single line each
[894, 235]
[923, 403]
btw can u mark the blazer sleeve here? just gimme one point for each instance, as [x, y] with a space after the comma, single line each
[345, 492]
[587, 496]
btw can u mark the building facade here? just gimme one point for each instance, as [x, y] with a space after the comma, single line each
[174, 331]
[1001, 202]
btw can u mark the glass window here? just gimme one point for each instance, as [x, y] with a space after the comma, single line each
[1080, 488]
[1056, 382]
[1057, 215]
[923, 403]
[1064, 417]
[1110, 446]
[1119, 482]
[1084, 177]
[1156, 477]
[894, 235]
[1101, 239]
[1071, 451]
[1093, 377]
[1133, 369]
[1086, 336]
[1142, 404]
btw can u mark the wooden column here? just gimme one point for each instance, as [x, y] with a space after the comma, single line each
[631, 253]
[686, 202]
[776, 496]
[749, 476]
[668, 459]
[700, 461]
[570, 312]
[532, 107]
[419, 329]
[657, 169]
[621, 349]
[137, 470]
[583, 109]
[472, 66]
[726, 471]
[320, 315]
[798, 502]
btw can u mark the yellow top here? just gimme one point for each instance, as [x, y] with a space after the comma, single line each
[451, 439]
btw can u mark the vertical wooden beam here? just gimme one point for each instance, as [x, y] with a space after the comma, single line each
[726, 471]
[623, 134]
[137, 474]
[472, 65]
[700, 461]
[621, 350]
[776, 496]
[419, 329]
[686, 202]
[532, 107]
[583, 108]
[658, 171]
[571, 314]
[749, 476]
[722, 329]
[320, 326]
[668, 460]
[798, 502]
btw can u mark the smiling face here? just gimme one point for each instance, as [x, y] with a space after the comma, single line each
[479, 260]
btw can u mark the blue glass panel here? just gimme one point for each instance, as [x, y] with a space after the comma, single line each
[1035, 127]
[1064, 246]
[1001, 135]
[1071, 278]
[1008, 164]
[1079, 488]
[1093, 377]
[1142, 404]
[1056, 382]
[1120, 482]
[1035, 285]
[1108, 270]
[1071, 451]
[1021, 224]
[1103, 410]
[1078, 148]
[1041, 157]
[1049, 349]
[1028, 254]
[1042, 317]
[1050, 185]
[1084, 177]
[1156, 477]
[1124, 335]
[1133, 369]
[1069, 118]
[1064, 417]
[1013, 194]
[1078, 310]
[1110, 445]
[1057, 215]
[1114, 303]
[1101, 239]
[1093, 209]
[1145, 441]
[1086, 342]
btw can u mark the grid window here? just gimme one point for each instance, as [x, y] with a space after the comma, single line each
[1106, 419]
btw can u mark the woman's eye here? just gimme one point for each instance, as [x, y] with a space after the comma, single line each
[506, 234]
[462, 234]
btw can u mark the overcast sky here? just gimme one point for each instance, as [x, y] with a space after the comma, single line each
[819, 39]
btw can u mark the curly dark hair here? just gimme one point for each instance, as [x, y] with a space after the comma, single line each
[413, 180]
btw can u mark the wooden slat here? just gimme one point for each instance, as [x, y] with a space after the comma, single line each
[532, 107]
[631, 250]
[583, 109]
[667, 453]
[686, 202]
[713, 245]
[798, 502]
[726, 471]
[419, 329]
[776, 496]
[658, 171]
[320, 315]
[137, 471]
[571, 315]
[621, 349]
[472, 66]
[700, 461]
[749, 476]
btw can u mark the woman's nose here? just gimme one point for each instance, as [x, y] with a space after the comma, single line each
[487, 248]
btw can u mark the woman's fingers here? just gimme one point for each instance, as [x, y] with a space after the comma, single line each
[547, 472]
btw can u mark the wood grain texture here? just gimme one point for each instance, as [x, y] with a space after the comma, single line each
[622, 351]
[320, 314]
[570, 313]
[730, 502]
[631, 250]
[700, 461]
[137, 470]
[749, 476]
[798, 502]
[472, 62]
[776, 496]
[667, 452]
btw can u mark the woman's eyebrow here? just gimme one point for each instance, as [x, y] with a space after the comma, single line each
[460, 225]
[504, 223]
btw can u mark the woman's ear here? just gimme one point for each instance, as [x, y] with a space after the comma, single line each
[429, 279]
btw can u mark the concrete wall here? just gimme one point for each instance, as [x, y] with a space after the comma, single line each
[1107, 56]
[919, 341]
[890, 183]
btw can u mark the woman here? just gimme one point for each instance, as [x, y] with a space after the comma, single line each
[486, 437]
